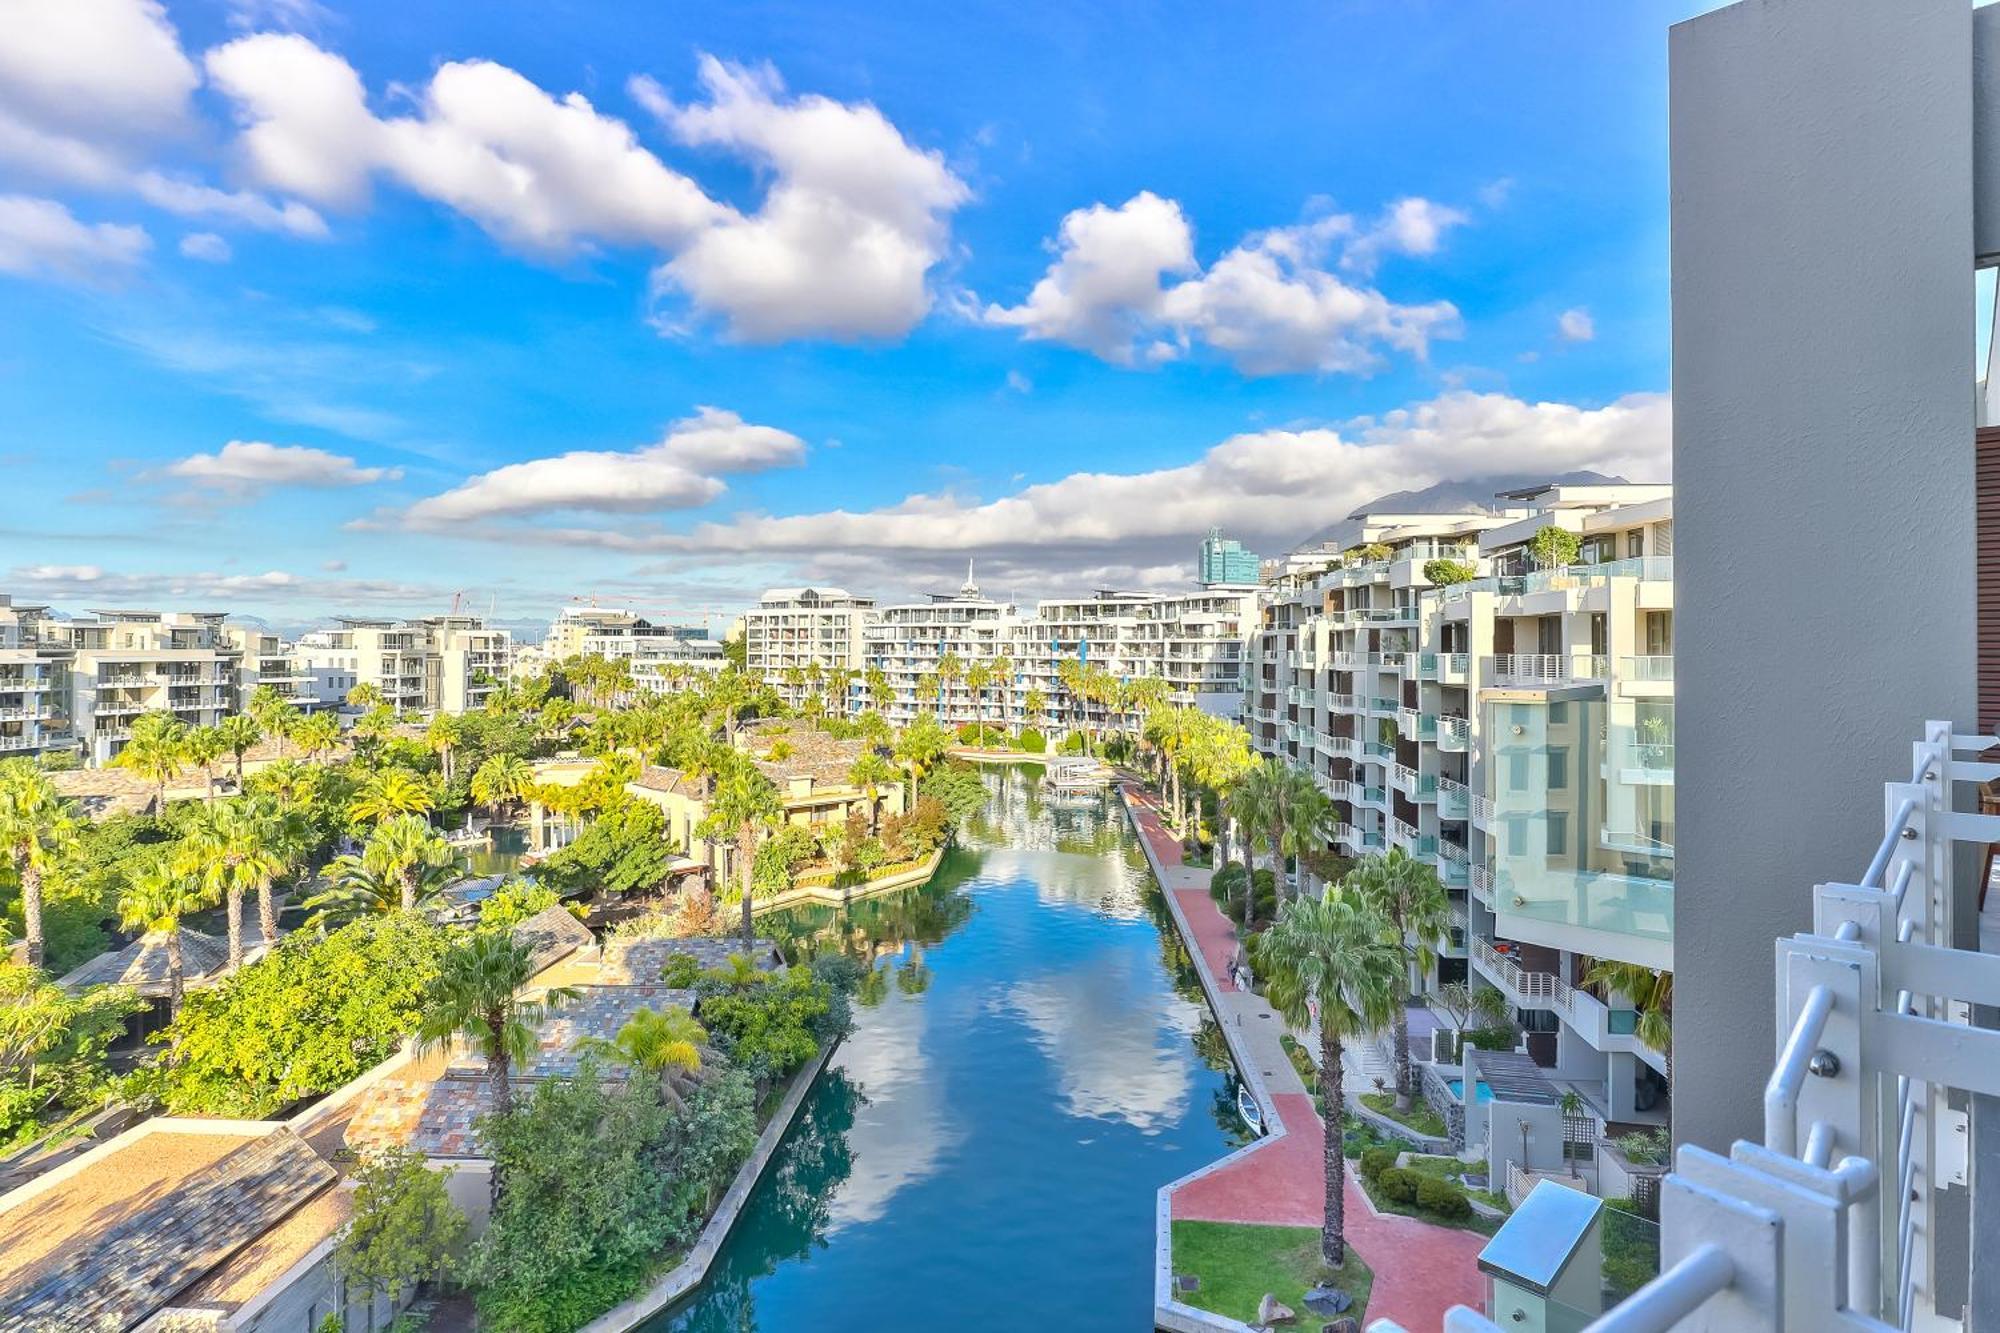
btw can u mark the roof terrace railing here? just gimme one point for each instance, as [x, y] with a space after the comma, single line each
[1830, 1222]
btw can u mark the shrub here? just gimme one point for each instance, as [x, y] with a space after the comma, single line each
[1444, 573]
[1499, 1037]
[1226, 883]
[1376, 1160]
[1033, 741]
[680, 971]
[1073, 743]
[1398, 1184]
[1442, 1197]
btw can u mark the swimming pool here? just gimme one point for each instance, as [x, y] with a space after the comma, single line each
[1480, 1090]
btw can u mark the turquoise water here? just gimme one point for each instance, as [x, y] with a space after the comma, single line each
[1031, 1062]
[502, 853]
[1480, 1091]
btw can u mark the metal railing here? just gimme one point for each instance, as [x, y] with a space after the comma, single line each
[1830, 1222]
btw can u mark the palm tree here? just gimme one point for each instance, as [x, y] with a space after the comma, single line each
[408, 846]
[1000, 676]
[950, 670]
[1409, 897]
[870, 773]
[388, 794]
[1032, 703]
[930, 690]
[157, 895]
[203, 746]
[502, 778]
[378, 881]
[273, 712]
[1330, 955]
[919, 747]
[1650, 993]
[879, 690]
[1311, 820]
[474, 998]
[365, 695]
[316, 734]
[746, 803]
[157, 752]
[238, 732]
[442, 736]
[37, 829]
[233, 849]
[666, 1043]
[1253, 802]
[978, 677]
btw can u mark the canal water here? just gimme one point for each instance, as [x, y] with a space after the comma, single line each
[1031, 1061]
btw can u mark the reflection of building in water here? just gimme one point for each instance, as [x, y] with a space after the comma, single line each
[1104, 883]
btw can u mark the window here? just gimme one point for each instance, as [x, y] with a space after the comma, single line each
[1517, 772]
[1559, 769]
[1517, 835]
[1635, 543]
[1558, 832]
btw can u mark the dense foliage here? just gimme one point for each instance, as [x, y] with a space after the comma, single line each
[52, 1047]
[624, 850]
[404, 1226]
[514, 902]
[773, 1025]
[316, 1013]
[958, 788]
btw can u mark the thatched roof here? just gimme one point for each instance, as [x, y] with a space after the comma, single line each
[142, 964]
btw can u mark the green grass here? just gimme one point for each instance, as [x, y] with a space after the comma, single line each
[1485, 1226]
[1420, 1117]
[1237, 1263]
[1450, 1168]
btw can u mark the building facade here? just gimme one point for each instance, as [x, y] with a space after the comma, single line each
[1222, 560]
[449, 663]
[122, 663]
[33, 677]
[795, 637]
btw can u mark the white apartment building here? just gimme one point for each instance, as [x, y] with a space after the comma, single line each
[266, 659]
[122, 663]
[906, 642]
[1514, 729]
[793, 631]
[32, 679]
[447, 663]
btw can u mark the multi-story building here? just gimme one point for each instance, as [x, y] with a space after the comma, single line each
[448, 663]
[265, 659]
[33, 676]
[907, 642]
[1509, 721]
[794, 633]
[122, 663]
[1224, 561]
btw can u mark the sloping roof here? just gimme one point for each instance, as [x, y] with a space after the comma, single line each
[655, 778]
[142, 964]
[110, 1245]
[629, 962]
[814, 754]
[1537, 1242]
[596, 1014]
[552, 934]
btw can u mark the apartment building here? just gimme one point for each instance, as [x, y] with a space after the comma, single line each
[1511, 723]
[266, 660]
[448, 663]
[793, 631]
[33, 677]
[907, 642]
[122, 663]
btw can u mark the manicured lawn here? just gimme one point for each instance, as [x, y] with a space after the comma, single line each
[1450, 1168]
[1420, 1117]
[1237, 1263]
[1485, 1226]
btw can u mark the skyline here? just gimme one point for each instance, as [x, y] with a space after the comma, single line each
[326, 313]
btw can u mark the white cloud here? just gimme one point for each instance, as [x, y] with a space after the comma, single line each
[678, 472]
[77, 75]
[207, 247]
[274, 588]
[1019, 383]
[1576, 325]
[246, 468]
[41, 238]
[194, 200]
[1269, 305]
[851, 224]
[1269, 488]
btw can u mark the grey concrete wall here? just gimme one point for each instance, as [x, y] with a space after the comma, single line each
[1822, 294]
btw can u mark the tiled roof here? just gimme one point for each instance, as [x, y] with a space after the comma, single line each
[164, 1211]
[629, 962]
[814, 754]
[655, 778]
[595, 1015]
[142, 964]
[552, 934]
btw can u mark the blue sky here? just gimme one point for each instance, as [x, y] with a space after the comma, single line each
[349, 306]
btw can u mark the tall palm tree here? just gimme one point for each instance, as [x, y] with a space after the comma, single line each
[869, 773]
[1650, 993]
[950, 670]
[366, 695]
[978, 676]
[316, 734]
[1408, 895]
[443, 737]
[382, 878]
[666, 1043]
[233, 849]
[157, 895]
[238, 732]
[408, 847]
[273, 712]
[474, 998]
[1032, 704]
[202, 747]
[879, 690]
[157, 752]
[37, 829]
[1253, 802]
[1000, 676]
[1330, 955]
[388, 794]
[747, 805]
[1310, 819]
[919, 746]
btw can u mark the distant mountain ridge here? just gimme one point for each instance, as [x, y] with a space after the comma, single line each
[1469, 495]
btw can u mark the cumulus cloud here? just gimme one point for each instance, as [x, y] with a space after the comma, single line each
[1125, 285]
[42, 238]
[681, 471]
[274, 588]
[853, 219]
[1267, 487]
[1576, 326]
[207, 247]
[244, 469]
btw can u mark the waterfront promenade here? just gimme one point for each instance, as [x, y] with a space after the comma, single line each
[1420, 1270]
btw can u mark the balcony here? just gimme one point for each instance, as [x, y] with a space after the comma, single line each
[1375, 796]
[1453, 668]
[1480, 880]
[1454, 734]
[1377, 752]
[1386, 707]
[1527, 669]
[1418, 726]
[1654, 669]
[1454, 799]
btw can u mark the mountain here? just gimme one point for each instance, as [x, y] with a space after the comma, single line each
[1471, 495]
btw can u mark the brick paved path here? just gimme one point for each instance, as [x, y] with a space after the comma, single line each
[1421, 1270]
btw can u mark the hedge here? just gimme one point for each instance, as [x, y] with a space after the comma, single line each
[1398, 1184]
[1033, 741]
[1376, 1160]
[1442, 1197]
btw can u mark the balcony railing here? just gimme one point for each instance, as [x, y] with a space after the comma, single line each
[1528, 668]
[1831, 1222]
[1454, 799]
[1454, 734]
[1648, 668]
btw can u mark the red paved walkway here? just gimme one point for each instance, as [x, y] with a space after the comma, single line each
[1421, 1270]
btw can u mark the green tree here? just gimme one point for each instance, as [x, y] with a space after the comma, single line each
[868, 774]
[238, 732]
[666, 1043]
[37, 829]
[390, 793]
[404, 1226]
[744, 806]
[274, 713]
[1329, 958]
[1650, 993]
[1553, 547]
[475, 998]
[161, 893]
[501, 779]
[1252, 802]
[1408, 896]
[443, 736]
[624, 850]
[52, 1048]
[201, 747]
[157, 752]
[233, 847]
[316, 734]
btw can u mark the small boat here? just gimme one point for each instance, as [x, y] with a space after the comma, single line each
[1077, 775]
[1246, 1106]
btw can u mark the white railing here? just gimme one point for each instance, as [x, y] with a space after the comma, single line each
[1533, 668]
[1454, 733]
[1651, 668]
[1830, 1223]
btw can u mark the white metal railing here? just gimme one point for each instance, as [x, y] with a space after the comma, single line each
[1649, 668]
[1534, 668]
[1830, 1222]
[1454, 733]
